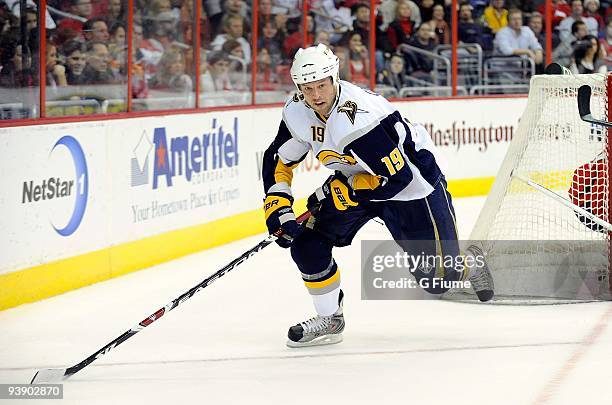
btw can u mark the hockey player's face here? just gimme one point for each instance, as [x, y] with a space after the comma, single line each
[319, 95]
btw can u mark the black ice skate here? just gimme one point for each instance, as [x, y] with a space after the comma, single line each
[481, 277]
[320, 330]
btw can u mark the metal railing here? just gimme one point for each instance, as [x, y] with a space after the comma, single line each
[499, 89]
[508, 70]
[431, 91]
[469, 62]
[441, 72]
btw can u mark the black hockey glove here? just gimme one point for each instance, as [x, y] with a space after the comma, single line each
[336, 186]
[280, 218]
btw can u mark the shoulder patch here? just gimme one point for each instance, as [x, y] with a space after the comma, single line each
[297, 99]
[350, 109]
[327, 157]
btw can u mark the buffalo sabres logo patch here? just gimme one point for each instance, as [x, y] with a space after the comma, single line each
[350, 109]
[328, 157]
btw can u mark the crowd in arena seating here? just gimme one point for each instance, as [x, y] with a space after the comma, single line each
[86, 41]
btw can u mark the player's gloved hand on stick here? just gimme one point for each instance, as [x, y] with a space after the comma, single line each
[280, 218]
[338, 189]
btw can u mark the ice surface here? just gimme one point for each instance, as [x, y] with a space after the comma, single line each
[227, 344]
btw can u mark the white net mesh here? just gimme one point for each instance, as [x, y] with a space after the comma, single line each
[555, 156]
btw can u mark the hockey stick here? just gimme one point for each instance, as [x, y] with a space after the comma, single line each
[52, 375]
[584, 107]
[564, 201]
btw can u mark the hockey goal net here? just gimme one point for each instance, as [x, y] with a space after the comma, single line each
[538, 244]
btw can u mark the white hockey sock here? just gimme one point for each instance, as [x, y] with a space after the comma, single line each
[326, 304]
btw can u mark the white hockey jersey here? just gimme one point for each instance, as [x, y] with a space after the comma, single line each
[364, 135]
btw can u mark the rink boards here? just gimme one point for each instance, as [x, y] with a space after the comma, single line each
[88, 201]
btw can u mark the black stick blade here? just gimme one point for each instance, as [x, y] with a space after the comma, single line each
[49, 376]
[584, 100]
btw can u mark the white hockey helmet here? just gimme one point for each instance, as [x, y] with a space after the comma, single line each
[314, 63]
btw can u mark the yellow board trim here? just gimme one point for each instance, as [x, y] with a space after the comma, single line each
[49, 279]
[470, 187]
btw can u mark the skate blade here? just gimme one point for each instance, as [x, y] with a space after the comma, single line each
[321, 341]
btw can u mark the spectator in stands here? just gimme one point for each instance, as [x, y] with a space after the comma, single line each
[361, 25]
[394, 74]
[56, 72]
[163, 29]
[238, 7]
[118, 49]
[586, 58]
[31, 6]
[517, 39]
[418, 65]
[265, 11]
[216, 77]
[214, 14]
[562, 54]
[441, 27]
[565, 27]
[270, 40]
[97, 70]
[267, 78]
[536, 24]
[388, 10]
[591, 9]
[471, 32]
[289, 7]
[333, 18]
[606, 44]
[140, 88]
[560, 11]
[295, 39]
[16, 71]
[186, 29]
[5, 20]
[322, 37]
[237, 64]
[147, 52]
[95, 29]
[495, 16]
[80, 8]
[342, 53]
[205, 28]
[159, 6]
[526, 6]
[76, 59]
[171, 75]
[233, 48]
[426, 9]
[117, 34]
[357, 66]
[116, 12]
[401, 29]
[233, 27]
[31, 19]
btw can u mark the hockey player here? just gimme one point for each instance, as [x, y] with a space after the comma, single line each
[384, 167]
